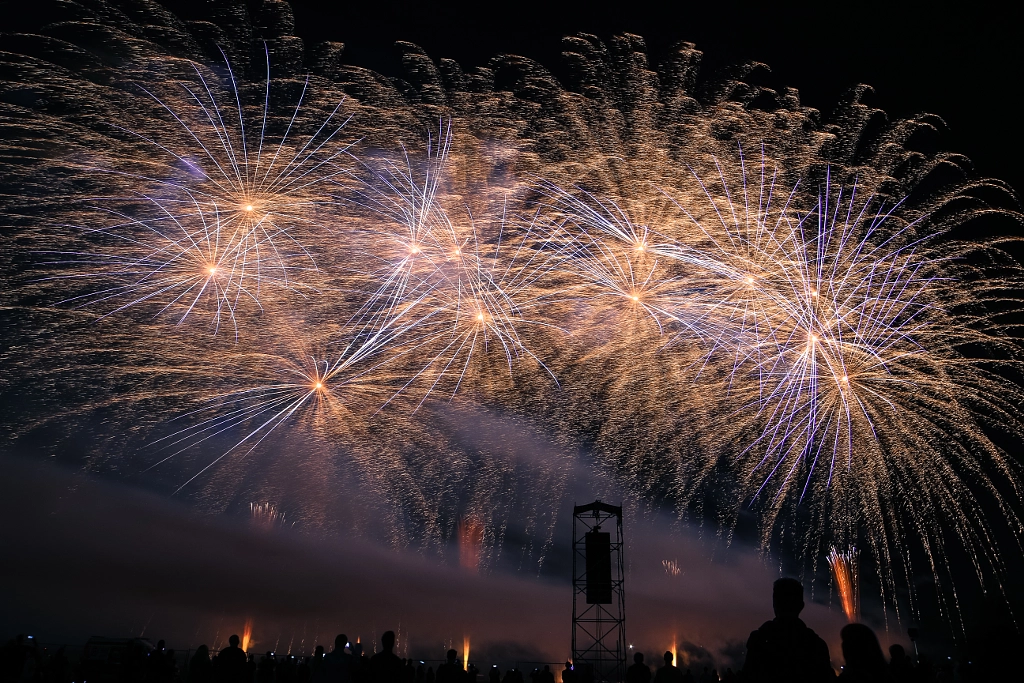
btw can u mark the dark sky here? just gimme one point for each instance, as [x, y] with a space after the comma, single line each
[963, 61]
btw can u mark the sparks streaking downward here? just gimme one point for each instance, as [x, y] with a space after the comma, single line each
[790, 334]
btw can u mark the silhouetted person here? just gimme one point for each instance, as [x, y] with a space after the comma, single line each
[545, 675]
[638, 672]
[169, 671]
[688, 677]
[451, 670]
[286, 669]
[568, 675]
[266, 667]
[410, 672]
[865, 662]
[924, 673]
[429, 678]
[200, 668]
[494, 675]
[900, 665]
[385, 666]
[155, 662]
[668, 673]
[784, 650]
[250, 668]
[13, 657]
[316, 663]
[337, 666]
[231, 664]
[304, 672]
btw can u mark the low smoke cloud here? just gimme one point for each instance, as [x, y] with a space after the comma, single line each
[92, 557]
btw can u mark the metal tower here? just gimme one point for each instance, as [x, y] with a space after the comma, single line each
[598, 599]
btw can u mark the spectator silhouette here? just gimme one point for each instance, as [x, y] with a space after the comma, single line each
[638, 672]
[688, 677]
[669, 673]
[265, 669]
[494, 675]
[155, 662]
[304, 672]
[200, 668]
[385, 666]
[472, 673]
[545, 675]
[231, 663]
[568, 676]
[169, 671]
[337, 666]
[430, 675]
[451, 670]
[286, 670]
[316, 663]
[865, 662]
[900, 665]
[924, 670]
[784, 650]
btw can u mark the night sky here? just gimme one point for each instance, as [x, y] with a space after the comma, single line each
[108, 550]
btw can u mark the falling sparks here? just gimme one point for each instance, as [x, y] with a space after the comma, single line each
[786, 334]
[847, 583]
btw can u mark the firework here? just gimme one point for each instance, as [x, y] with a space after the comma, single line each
[790, 333]
[208, 210]
[847, 581]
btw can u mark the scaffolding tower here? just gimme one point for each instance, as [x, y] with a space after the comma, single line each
[598, 598]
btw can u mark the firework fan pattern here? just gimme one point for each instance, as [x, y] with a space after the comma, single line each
[249, 271]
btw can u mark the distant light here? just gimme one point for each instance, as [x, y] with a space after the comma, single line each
[321, 386]
[750, 280]
[212, 270]
[635, 298]
[844, 378]
[479, 316]
[414, 249]
[248, 207]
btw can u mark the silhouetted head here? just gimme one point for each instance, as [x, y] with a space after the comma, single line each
[787, 598]
[452, 654]
[388, 641]
[897, 652]
[861, 649]
[668, 658]
[159, 644]
[638, 658]
[233, 641]
[340, 642]
[319, 651]
[568, 665]
[203, 651]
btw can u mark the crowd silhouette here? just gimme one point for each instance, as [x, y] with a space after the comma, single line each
[783, 650]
